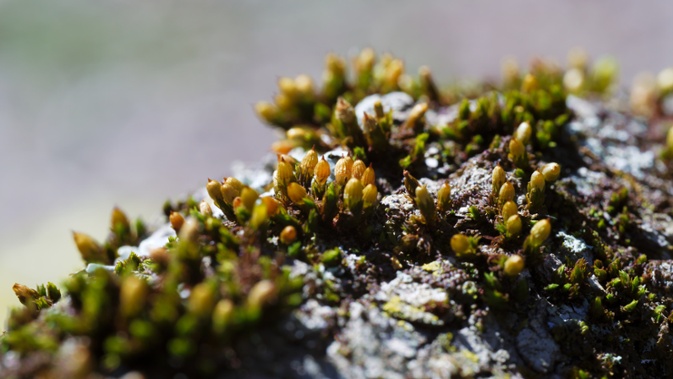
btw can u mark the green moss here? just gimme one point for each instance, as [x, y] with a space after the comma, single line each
[192, 305]
[332, 257]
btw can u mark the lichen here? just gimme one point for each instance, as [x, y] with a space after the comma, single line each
[514, 229]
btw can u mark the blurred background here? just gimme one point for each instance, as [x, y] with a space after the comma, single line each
[131, 103]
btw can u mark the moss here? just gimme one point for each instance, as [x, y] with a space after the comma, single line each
[422, 216]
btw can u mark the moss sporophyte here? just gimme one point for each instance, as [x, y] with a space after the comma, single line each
[396, 212]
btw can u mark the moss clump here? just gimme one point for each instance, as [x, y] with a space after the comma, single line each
[395, 214]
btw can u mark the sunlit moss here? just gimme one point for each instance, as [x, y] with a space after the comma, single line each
[386, 205]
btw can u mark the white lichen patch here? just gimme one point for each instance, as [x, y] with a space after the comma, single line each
[574, 246]
[405, 299]
[474, 180]
[255, 176]
[397, 201]
[412, 293]
[658, 227]
[663, 277]
[363, 349]
[614, 140]
[156, 240]
[629, 159]
[587, 181]
[314, 316]
[433, 186]
[395, 101]
[582, 108]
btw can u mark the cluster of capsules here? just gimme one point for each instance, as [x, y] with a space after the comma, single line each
[301, 190]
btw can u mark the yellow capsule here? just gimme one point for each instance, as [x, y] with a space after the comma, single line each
[229, 193]
[205, 208]
[416, 115]
[261, 294]
[537, 181]
[573, 80]
[237, 202]
[425, 203]
[271, 205]
[444, 197]
[551, 171]
[296, 193]
[604, 72]
[214, 190]
[259, 216]
[506, 193]
[370, 195]
[90, 250]
[516, 150]
[540, 232]
[248, 198]
[418, 111]
[499, 178]
[296, 133]
[322, 171]
[234, 183]
[288, 235]
[514, 265]
[365, 60]
[119, 220]
[309, 162]
[394, 70]
[283, 146]
[513, 225]
[288, 87]
[523, 132]
[202, 299]
[343, 170]
[284, 171]
[176, 221]
[222, 315]
[304, 85]
[283, 102]
[397, 265]
[509, 209]
[160, 256]
[335, 64]
[369, 176]
[266, 111]
[358, 169]
[410, 183]
[190, 230]
[132, 295]
[460, 244]
[529, 83]
[353, 194]
[665, 80]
